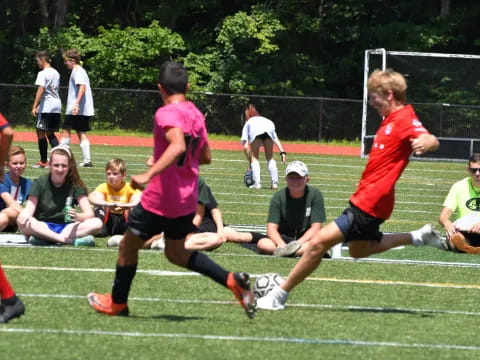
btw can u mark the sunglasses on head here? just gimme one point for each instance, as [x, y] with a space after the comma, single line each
[473, 170]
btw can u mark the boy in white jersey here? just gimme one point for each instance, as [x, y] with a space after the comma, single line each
[47, 106]
[80, 110]
[169, 202]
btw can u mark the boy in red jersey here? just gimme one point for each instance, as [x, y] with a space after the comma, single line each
[169, 202]
[10, 306]
[400, 133]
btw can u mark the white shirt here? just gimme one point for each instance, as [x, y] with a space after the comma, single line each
[79, 77]
[49, 78]
[257, 125]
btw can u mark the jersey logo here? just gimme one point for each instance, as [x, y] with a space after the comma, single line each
[473, 204]
[416, 123]
[388, 129]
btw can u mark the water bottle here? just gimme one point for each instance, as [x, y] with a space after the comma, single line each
[67, 208]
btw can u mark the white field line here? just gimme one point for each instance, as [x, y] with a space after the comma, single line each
[313, 278]
[362, 343]
[295, 305]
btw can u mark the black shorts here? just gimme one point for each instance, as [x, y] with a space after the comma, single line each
[355, 224]
[263, 136]
[145, 224]
[48, 121]
[472, 238]
[113, 224]
[207, 225]
[77, 122]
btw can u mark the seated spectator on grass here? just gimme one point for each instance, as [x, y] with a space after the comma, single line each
[49, 216]
[296, 213]
[463, 234]
[114, 198]
[211, 232]
[13, 190]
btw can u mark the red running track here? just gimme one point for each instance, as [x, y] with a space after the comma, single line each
[214, 144]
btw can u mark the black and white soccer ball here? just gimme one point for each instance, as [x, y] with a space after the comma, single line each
[248, 178]
[265, 283]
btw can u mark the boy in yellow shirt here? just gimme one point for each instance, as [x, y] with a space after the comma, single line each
[114, 198]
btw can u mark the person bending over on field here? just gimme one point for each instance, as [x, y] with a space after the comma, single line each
[463, 234]
[259, 131]
[49, 216]
[296, 213]
[14, 189]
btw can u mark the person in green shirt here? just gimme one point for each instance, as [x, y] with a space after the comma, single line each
[463, 234]
[296, 213]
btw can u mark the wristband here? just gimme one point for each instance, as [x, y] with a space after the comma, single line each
[76, 105]
[283, 153]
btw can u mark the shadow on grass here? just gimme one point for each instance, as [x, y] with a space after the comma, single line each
[390, 311]
[171, 318]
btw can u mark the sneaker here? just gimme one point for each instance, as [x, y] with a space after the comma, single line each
[114, 241]
[84, 241]
[274, 186]
[41, 165]
[426, 235]
[288, 250]
[11, 311]
[274, 300]
[36, 241]
[103, 303]
[158, 244]
[239, 284]
[255, 186]
[86, 164]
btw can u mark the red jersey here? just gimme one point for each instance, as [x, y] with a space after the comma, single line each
[388, 157]
[3, 122]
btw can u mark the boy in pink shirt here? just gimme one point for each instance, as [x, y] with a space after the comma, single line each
[169, 202]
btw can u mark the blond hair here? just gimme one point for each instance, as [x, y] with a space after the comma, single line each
[382, 81]
[16, 150]
[116, 164]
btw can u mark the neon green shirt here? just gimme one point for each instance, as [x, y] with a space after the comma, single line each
[463, 197]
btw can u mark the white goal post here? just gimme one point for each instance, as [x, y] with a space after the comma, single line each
[445, 92]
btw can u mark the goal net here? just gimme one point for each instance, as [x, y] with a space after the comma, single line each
[445, 92]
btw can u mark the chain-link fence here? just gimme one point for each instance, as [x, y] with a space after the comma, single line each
[296, 118]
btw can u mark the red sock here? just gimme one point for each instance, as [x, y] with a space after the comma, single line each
[6, 290]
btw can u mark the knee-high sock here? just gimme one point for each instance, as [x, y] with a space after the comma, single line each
[52, 139]
[6, 290]
[124, 275]
[273, 170]
[65, 141]
[202, 264]
[85, 146]
[255, 165]
[42, 148]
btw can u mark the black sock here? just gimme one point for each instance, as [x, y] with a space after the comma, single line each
[123, 281]
[10, 301]
[52, 139]
[42, 147]
[202, 264]
[256, 236]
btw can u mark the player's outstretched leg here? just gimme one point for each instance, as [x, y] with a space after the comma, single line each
[427, 236]
[239, 284]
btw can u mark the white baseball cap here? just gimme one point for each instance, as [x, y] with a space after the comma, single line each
[297, 167]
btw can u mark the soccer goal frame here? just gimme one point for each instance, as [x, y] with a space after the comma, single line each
[452, 147]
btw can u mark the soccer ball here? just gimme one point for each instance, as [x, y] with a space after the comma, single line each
[265, 283]
[248, 178]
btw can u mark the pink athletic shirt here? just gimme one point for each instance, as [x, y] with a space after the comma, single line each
[173, 193]
[388, 158]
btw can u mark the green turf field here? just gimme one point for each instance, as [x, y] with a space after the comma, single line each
[412, 303]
